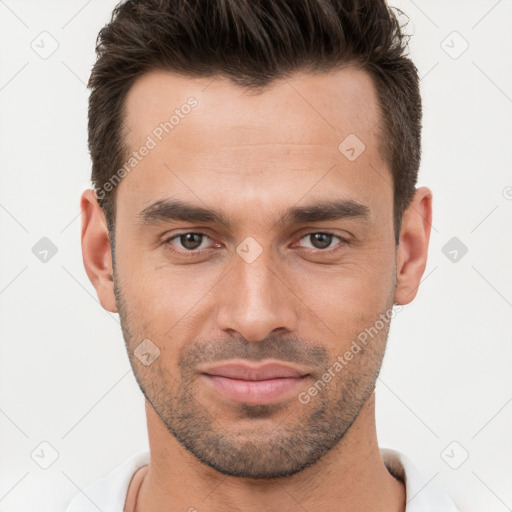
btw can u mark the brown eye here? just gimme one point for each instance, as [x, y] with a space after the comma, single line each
[187, 242]
[191, 241]
[321, 241]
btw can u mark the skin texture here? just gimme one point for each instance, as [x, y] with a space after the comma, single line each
[253, 156]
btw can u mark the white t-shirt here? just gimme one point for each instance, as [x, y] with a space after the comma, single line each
[109, 493]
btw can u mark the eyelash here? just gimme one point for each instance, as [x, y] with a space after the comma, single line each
[196, 252]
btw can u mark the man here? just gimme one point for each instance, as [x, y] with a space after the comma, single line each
[255, 222]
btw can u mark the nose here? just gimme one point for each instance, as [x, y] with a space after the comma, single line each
[255, 299]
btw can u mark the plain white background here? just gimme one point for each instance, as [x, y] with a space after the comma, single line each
[445, 390]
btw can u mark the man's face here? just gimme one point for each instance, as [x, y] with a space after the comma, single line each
[255, 286]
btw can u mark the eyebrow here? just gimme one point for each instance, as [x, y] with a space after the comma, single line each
[168, 210]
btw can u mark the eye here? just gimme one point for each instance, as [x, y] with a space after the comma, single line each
[189, 242]
[321, 240]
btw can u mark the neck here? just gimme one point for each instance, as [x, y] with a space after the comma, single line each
[340, 480]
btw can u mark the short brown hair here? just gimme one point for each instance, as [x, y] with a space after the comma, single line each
[253, 43]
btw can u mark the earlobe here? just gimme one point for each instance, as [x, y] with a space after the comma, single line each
[96, 250]
[413, 248]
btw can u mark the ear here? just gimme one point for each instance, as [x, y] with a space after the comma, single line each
[96, 251]
[413, 247]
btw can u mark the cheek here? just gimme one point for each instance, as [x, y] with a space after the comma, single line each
[167, 303]
[346, 300]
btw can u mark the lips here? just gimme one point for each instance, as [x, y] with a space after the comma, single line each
[254, 384]
[261, 372]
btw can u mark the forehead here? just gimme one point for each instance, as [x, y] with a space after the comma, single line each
[210, 137]
[339, 102]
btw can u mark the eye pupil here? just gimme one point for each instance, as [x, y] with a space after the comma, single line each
[191, 240]
[324, 240]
